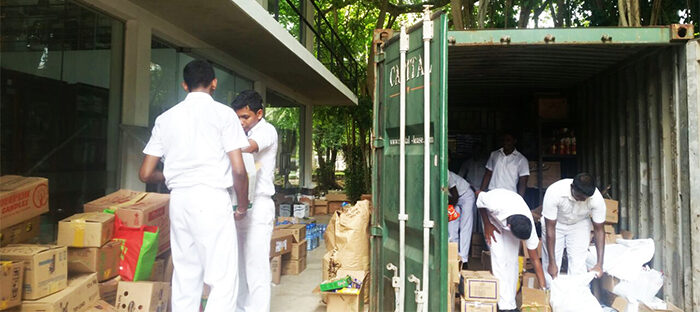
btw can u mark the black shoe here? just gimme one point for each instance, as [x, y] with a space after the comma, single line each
[464, 266]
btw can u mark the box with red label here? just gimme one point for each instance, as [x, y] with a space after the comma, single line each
[136, 209]
[22, 198]
[104, 260]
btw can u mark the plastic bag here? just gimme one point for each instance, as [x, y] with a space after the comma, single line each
[571, 293]
[139, 247]
[643, 288]
[624, 259]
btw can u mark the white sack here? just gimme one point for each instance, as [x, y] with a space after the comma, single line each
[571, 293]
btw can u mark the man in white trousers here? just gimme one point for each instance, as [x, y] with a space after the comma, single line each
[200, 142]
[255, 230]
[567, 209]
[507, 221]
[462, 198]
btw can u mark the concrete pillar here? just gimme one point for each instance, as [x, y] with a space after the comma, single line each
[261, 88]
[116, 72]
[309, 13]
[135, 101]
[307, 147]
[263, 3]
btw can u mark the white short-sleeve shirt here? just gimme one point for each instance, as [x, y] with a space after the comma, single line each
[265, 135]
[501, 204]
[507, 169]
[454, 180]
[193, 139]
[558, 204]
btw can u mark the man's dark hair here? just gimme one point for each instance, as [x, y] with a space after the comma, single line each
[248, 98]
[520, 226]
[584, 183]
[198, 74]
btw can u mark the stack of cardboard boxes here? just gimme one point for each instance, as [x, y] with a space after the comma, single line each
[280, 244]
[479, 291]
[294, 262]
[335, 201]
[22, 201]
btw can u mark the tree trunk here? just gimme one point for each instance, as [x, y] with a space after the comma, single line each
[655, 12]
[483, 9]
[561, 12]
[524, 14]
[457, 14]
[468, 14]
[633, 19]
[380, 19]
[509, 4]
[555, 18]
[622, 11]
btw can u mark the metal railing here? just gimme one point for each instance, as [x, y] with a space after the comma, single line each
[330, 49]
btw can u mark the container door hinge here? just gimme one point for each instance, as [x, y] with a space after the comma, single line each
[376, 231]
[378, 143]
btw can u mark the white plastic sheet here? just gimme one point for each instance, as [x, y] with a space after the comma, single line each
[571, 293]
[624, 259]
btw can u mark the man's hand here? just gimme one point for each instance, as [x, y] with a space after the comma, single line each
[598, 269]
[488, 232]
[239, 214]
[553, 270]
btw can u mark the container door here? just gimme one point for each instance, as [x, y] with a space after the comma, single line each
[385, 185]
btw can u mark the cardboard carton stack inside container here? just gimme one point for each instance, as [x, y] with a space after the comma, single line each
[80, 272]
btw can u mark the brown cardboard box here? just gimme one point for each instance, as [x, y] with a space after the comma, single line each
[347, 302]
[477, 306]
[320, 202]
[611, 211]
[553, 108]
[533, 300]
[152, 296]
[334, 206]
[22, 198]
[91, 229]
[169, 268]
[136, 209]
[298, 251]
[82, 290]
[101, 306]
[337, 197]
[296, 230]
[294, 220]
[451, 291]
[321, 210]
[475, 251]
[108, 290]
[486, 260]
[477, 238]
[11, 280]
[530, 281]
[104, 260]
[670, 308]
[293, 267]
[619, 303]
[479, 286]
[627, 235]
[158, 271]
[20, 233]
[276, 269]
[453, 262]
[45, 268]
[551, 172]
[608, 282]
[526, 254]
[280, 243]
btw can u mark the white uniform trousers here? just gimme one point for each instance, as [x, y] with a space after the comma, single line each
[204, 248]
[466, 224]
[254, 234]
[504, 265]
[575, 238]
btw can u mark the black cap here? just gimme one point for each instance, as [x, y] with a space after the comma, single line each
[584, 183]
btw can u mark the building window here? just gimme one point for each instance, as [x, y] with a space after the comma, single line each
[61, 68]
[286, 115]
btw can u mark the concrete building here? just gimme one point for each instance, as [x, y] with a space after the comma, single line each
[82, 82]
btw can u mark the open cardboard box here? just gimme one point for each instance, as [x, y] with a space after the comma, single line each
[346, 302]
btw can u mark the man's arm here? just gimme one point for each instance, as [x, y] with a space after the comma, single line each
[535, 258]
[486, 180]
[454, 196]
[240, 180]
[148, 172]
[489, 228]
[551, 226]
[522, 185]
[599, 234]
[252, 148]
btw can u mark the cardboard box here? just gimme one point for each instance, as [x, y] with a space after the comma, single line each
[152, 296]
[11, 280]
[276, 269]
[136, 209]
[670, 308]
[81, 292]
[169, 268]
[108, 290]
[486, 260]
[553, 108]
[334, 206]
[525, 252]
[20, 233]
[158, 271]
[101, 306]
[298, 231]
[91, 229]
[477, 306]
[45, 268]
[320, 202]
[619, 303]
[321, 210]
[104, 260]
[22, 198]
[475, 251]
[608, 282]
[337, 197]
[533, 300]
[452, 304]
[611, 215]
[280, 243]
[453, 262]
[293, 267]
[626, 235]
[479, 286]
[347, 302]
[298, 251]
[530, 281]
[294, 220]
[551, 172]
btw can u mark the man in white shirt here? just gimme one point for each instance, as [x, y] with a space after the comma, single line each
[462, 198]
[255, 230]
[507, 221]
[567, 210]
[200, 143]
[506, 168]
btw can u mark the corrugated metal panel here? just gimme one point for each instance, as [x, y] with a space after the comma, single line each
[641, 136]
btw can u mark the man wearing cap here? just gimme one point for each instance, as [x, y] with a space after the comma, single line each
[568, 207]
